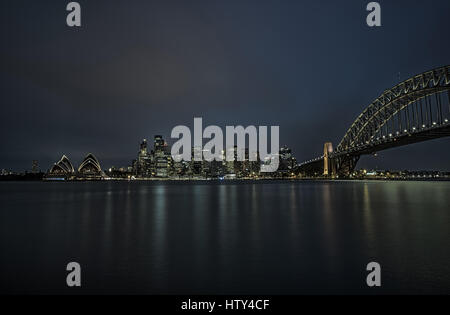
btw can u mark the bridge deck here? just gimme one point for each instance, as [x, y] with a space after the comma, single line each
[400, 140]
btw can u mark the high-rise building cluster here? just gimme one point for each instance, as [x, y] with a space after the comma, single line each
[154, 163]
[158, 163]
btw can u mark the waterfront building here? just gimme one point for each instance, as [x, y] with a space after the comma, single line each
[179, 167]
[161, 164]
[162, 158]
[90, 168]
[144, 161]
[35, 167]
[121, 172]
[158, 143]
[255, 166]
[231, 165]
[288, 162]
[197, 162]
[62, 169]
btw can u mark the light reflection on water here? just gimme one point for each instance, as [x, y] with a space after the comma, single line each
[231, 238]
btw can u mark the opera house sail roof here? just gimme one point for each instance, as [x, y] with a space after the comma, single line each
[90, 166]
[64, 170]
[62, 167]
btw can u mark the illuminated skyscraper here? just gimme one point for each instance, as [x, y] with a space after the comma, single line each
[158, 144]
[162, 158]
[143, 163]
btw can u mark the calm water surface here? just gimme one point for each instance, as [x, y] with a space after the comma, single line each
[225, 238]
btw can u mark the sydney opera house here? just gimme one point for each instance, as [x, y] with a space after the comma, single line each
[89, 169]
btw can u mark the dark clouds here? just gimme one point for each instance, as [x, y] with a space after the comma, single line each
[137, 68]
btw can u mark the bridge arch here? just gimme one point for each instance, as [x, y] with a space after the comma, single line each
[419, 103]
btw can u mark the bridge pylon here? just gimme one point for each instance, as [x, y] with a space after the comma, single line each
[329, 168]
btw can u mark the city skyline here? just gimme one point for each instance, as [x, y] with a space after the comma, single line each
[158, 162]
[134, 169]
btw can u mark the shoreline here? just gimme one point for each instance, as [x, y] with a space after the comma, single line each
[309, 179]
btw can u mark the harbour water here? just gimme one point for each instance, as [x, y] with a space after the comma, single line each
[265, 237]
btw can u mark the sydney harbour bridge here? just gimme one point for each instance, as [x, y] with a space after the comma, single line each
[415, 110]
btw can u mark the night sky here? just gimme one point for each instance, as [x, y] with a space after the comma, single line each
[138, 68]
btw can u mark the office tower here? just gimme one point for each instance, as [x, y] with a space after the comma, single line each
[35, 167]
